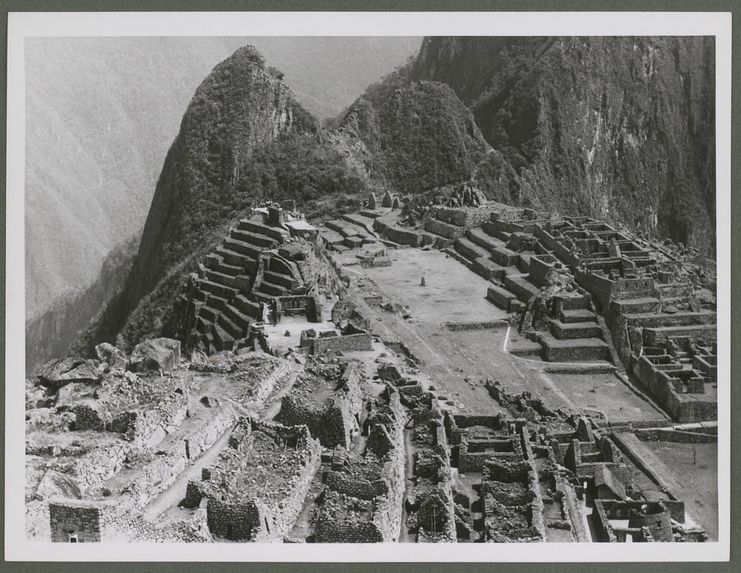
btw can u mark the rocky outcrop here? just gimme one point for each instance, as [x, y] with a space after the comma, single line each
[620, 129]
[115, 358]
[156, 354]
[55, 484]
[60, 372]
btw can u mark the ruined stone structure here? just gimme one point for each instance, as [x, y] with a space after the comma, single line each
[255, 489]
[333, 342]
[430, 505]
[78, 521]
[267, 266]
[327, 399]
[646, 522]
[584, 291]
[362, 502]
[351, 231]
[498, 449]
[320, 447]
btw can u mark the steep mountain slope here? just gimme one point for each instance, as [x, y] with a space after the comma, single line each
[243, 139]
[413, 138]
[51, 333]
[102, 112]
[618, 128]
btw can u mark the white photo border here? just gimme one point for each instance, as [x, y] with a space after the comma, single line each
[22, 25]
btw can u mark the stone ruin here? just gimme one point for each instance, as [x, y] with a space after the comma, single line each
[350, 458]
[354, 332]
[326, 398]
[363, 494]
[267, 267]
[256, 488]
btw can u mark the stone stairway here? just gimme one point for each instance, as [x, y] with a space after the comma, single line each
[348, 232]
[573, 335]
[238, 280]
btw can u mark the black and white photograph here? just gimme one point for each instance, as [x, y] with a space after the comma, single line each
[390, 279]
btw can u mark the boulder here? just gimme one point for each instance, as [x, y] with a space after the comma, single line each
[156, 354]
[37, 397]
[62, 371]
[210, 401]
[55, 484]
[114, 357]
[389, 372]
[72, 394]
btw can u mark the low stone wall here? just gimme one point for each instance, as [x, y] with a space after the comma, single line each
[389, 506]
[163, 469]
[444, 229]
[464, 216]
[477, 325]
[354, 487]
[344, 343]
[100, 464]
[344, 519]
[148, 427]
[473, 461]
[674, 435]
[401, 236]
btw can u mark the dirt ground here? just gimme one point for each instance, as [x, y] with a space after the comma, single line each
[457, 362]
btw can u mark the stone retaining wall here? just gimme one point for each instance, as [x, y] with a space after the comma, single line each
[77, 521]
[164, 469]
[345, 343]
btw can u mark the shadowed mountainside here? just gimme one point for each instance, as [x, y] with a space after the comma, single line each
[616, 128]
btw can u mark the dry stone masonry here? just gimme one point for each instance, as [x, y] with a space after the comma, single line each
[292, 407]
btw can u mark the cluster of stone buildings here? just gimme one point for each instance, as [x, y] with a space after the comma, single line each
[345, 459]
[584, 291]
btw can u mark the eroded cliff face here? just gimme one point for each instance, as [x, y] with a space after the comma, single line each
[616, 128]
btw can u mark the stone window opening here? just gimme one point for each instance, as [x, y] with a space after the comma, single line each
[73, 538]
